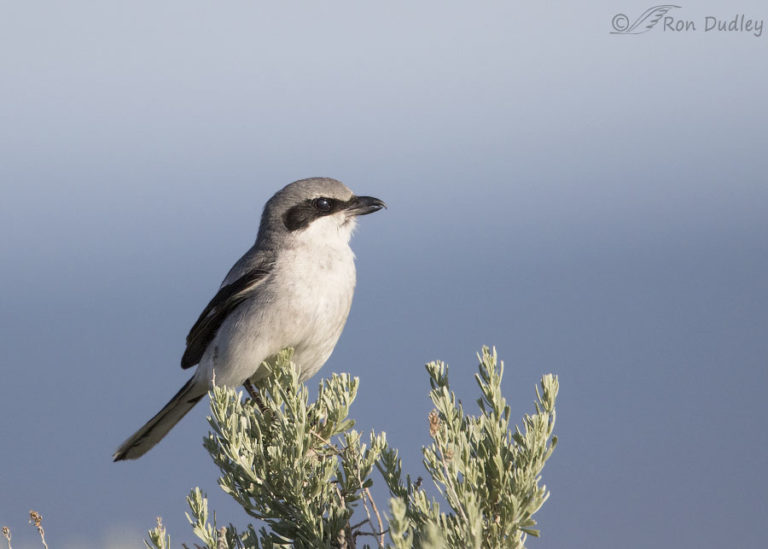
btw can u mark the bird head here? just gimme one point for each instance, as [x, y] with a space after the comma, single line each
[319, 209]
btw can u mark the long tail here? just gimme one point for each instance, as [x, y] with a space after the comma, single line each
[156, 428]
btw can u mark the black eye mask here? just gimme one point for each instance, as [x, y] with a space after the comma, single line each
[301, 215]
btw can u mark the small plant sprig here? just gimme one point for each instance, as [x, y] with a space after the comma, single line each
[158, 538]
[7, 535]
[37, 519]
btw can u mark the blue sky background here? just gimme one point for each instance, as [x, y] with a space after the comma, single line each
[594, 205]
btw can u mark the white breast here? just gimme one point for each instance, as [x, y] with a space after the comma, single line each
[320, 288]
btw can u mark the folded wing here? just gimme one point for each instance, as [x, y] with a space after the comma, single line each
[227, 299]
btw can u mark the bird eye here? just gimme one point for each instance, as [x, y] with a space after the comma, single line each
[323, 204]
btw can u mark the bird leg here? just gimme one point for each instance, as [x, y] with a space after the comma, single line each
[251, 388]
[254, 394]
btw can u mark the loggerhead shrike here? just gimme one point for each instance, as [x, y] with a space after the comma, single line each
[293, 288]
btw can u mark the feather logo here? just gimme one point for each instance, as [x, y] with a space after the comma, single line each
[644, 23]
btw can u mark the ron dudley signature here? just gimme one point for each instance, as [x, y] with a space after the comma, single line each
[665, 18]
[739, 23]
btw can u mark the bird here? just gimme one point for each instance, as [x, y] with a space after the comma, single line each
[292, 289]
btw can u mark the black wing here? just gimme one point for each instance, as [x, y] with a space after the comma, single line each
[223, 303]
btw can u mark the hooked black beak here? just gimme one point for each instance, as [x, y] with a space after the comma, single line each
[363, 205]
